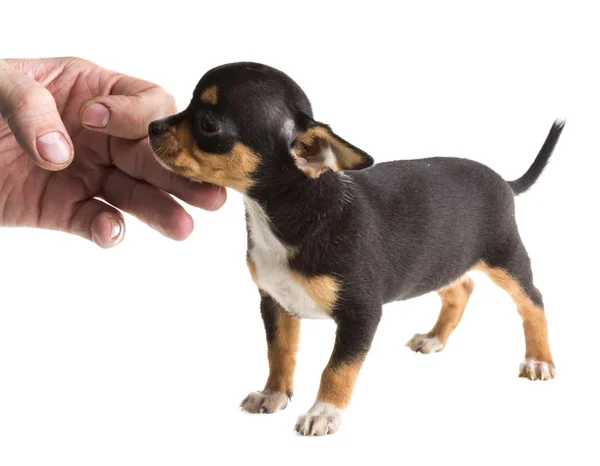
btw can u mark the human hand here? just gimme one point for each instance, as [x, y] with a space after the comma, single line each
[71, 133]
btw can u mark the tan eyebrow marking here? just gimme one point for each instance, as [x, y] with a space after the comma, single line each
[210, 95]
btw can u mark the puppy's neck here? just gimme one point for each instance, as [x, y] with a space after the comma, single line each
[298, 209]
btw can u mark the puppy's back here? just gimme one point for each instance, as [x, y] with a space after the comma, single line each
[435, 218]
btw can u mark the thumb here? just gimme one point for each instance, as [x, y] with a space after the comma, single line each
[30, 111]
[127, 116]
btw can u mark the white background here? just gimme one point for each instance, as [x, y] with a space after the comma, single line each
[141, 354]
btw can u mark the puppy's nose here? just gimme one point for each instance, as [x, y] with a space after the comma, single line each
[156, 128]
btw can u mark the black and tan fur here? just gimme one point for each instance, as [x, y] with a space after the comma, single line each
[331, 235]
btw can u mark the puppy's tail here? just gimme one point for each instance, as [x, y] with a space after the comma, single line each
[530, 177]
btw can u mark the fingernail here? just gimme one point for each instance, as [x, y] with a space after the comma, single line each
[96, 115]
[54, 148]
[115, 229]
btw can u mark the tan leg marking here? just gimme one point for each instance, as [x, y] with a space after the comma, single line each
[282, 364]
[325, 416]
[454, 300]
[538, 362]
[282, 353]
[337, 384]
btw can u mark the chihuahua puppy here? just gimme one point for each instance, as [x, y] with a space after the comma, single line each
[330, 235]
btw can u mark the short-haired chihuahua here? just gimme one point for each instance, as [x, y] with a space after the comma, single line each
[331, 235]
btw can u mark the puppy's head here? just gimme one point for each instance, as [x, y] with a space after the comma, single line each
[246, 122]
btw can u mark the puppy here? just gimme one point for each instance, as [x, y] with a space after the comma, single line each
[330, 235]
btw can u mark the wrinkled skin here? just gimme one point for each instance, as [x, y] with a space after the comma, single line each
[113, 163]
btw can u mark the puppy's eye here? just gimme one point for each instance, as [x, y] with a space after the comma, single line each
[208, 125]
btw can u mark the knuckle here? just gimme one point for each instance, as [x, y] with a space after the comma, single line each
[78, 62]
[139, 118]
[165, 103]
[31, 97]
[140, 159]
[171, 104]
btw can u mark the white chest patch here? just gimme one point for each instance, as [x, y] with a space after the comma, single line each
[270, 257]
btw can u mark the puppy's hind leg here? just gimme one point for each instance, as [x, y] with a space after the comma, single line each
[514, 275]
[454, 300]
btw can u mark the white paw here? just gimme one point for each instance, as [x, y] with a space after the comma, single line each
[425, 344]
[536, 370]
[321, 419]
[264, 402]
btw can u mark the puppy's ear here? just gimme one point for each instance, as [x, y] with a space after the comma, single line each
[316, 149]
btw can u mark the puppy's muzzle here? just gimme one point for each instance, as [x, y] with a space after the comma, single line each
[157, 128]
[163, 141]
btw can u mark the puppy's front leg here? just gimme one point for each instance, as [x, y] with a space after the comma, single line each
[283, 333]
[355, 332]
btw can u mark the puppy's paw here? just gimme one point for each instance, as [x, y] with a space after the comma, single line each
[321, 419]
[265, 402]
[425, 344]
[537, 370]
